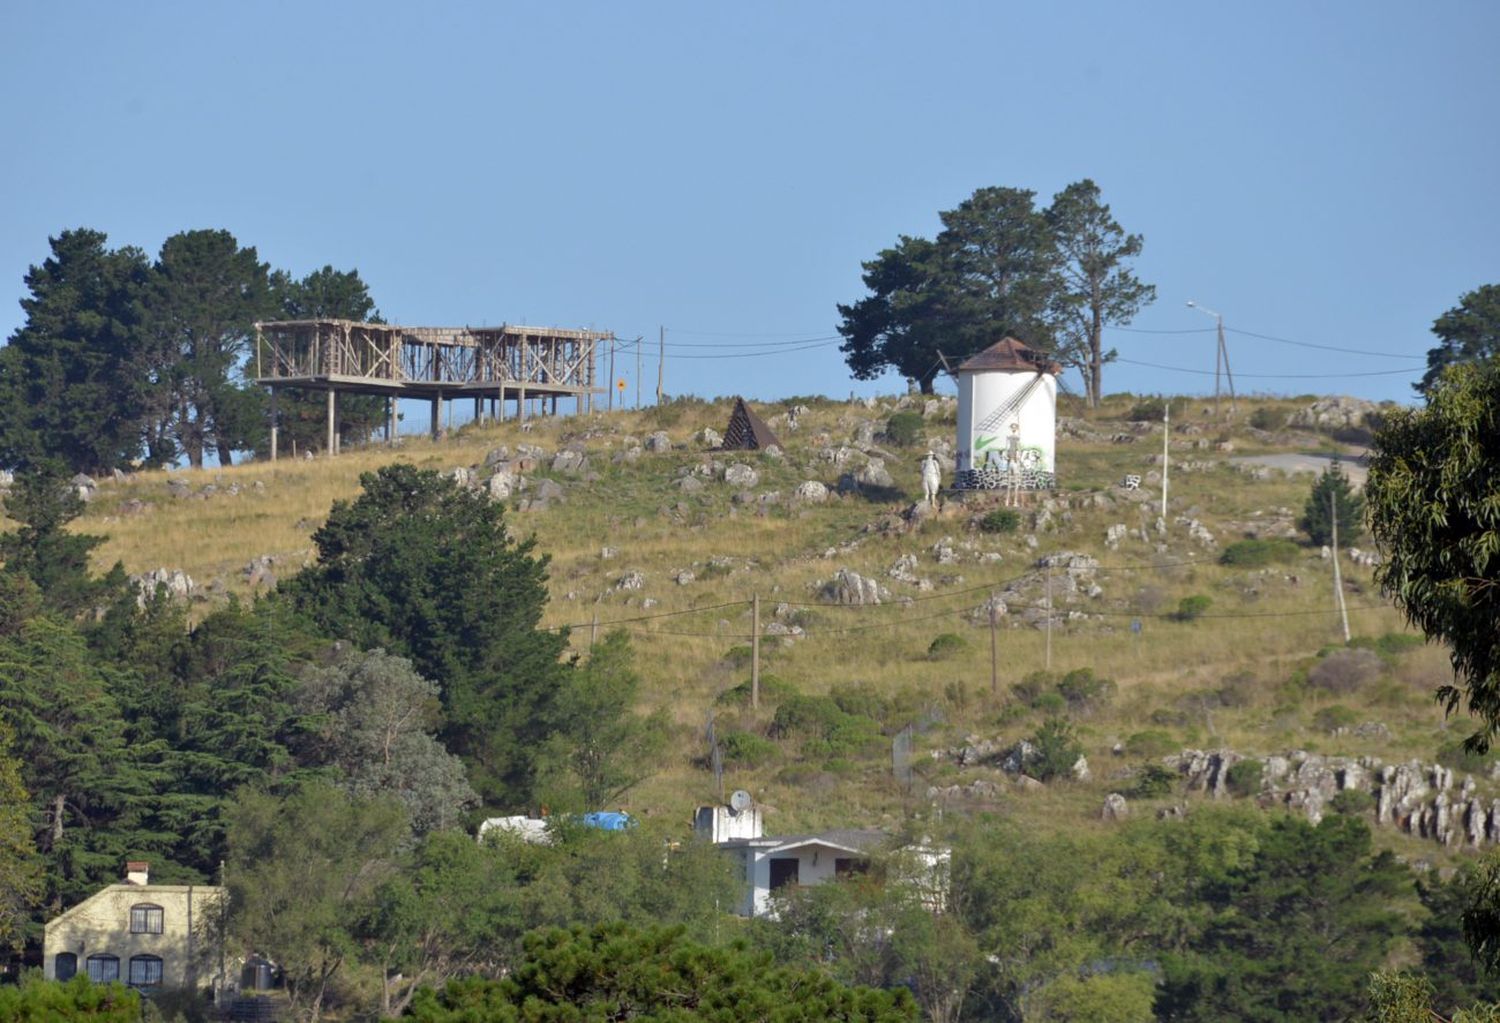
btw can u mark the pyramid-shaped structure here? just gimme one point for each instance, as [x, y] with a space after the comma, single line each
[1010, 356]
[747, 431]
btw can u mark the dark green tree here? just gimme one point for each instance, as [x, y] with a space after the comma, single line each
[993, 271]
[20, 867]
[422, 567]
[899, 325]
[654, 975]
[1332, 494]
[44, 500]
[1293, 933]
[1435, 512]
[73, 383]
[1459, 977]
[206, 295]
[75, 1001]
[1099, 288]
[91, 793]
[1469, 332]
[302, 415]
[602, 748]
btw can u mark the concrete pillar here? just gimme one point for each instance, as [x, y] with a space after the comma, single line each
[437, 415]
[273, 424]
[521, 404]
[390, 420]
[331, 413]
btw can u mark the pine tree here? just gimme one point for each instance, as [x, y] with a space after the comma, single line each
[1317, 517]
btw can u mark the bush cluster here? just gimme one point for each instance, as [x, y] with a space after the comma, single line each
[904, 429]
[1001, 520]
[1258, 553]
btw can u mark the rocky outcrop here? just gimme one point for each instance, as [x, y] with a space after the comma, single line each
[849, 587]
[1416, 798]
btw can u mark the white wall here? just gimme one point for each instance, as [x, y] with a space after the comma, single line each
[979, 394]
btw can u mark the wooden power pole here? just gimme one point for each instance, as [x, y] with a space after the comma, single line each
[661, 361]
[755, 652]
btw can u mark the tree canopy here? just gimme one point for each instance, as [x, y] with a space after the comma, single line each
[1054, 278]
[1434, 507]
[424, 568]
[1468, 332]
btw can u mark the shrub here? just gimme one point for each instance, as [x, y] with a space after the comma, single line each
[904, 428]
[738, 656]
[860, 701]
[1050, 703]
[1269, 419]
[1192, 608]
[1331, 719]
[1151, 743]
[1345, 671]
[1147, 410]
[1243, 777]
[1352, 802]
[946, 645]
[1393, 643]
[1031, 688]
[1257, 553]
[746, 749]
[825, 728]
[1084, 690]
[1001, 520]
[1152, 782]
[1239, 689]
[772, 690]
[1057, 749]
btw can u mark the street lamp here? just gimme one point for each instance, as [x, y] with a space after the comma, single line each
[1221, 358]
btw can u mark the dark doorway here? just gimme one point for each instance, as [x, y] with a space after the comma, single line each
[783, 872]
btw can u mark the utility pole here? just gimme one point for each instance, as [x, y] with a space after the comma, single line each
[1221, 359]
[1228, 373]
[661, 361]
[1166, 455]
[594, 629]
[994, 668]
[611, 398]
[1338, 580]
[755, 652]
[637, 374]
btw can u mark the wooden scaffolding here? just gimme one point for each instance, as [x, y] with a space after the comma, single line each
[436, 364]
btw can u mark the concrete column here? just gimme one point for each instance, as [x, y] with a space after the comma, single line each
[273, 424]
[331, 413]
[521, 404]
[437, 415]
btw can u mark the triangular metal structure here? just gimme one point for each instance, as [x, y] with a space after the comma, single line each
[747, 431]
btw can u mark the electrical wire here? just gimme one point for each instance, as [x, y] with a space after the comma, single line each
[1270, 376]
[1325, 348]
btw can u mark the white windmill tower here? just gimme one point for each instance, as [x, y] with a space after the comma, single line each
[1007, 407]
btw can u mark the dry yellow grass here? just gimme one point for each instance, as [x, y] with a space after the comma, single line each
[1274, 624]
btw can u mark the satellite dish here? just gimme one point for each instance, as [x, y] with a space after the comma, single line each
[740, 801]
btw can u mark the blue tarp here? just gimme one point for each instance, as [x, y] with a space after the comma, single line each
[607, 820]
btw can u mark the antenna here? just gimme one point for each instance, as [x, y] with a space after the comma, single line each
[740, 801]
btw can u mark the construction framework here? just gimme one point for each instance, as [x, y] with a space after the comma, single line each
[436, 364]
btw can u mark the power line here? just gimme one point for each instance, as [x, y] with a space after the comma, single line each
[1142, 330]
[1270, 376]
[1325, 348]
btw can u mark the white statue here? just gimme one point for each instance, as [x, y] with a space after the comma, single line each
[932, 479]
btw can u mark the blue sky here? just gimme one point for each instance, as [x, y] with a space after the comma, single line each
[1319, 172]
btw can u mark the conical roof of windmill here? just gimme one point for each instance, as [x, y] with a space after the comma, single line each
[1009, 356]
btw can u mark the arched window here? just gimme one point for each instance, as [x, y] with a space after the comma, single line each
[64, 966]
[103, 968]
[145, 971]
[145, 918]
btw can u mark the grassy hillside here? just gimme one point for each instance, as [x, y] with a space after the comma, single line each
[1236, 676]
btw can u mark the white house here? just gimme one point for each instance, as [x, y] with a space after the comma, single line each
[768, 864]
[1007, 412]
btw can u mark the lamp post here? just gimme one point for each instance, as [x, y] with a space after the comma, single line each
[1221, 358]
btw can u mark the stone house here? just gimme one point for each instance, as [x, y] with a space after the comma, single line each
[142, 934]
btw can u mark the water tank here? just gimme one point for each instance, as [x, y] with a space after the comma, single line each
[259, 974]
